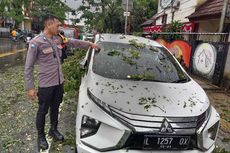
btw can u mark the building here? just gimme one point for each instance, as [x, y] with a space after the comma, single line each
[207, 16]
[172, 10]
[197, 15]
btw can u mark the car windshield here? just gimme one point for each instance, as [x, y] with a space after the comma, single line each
[137, 61]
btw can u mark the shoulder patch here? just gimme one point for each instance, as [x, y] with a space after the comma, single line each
[32, 46]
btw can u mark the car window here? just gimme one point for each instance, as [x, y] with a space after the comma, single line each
[137, 61]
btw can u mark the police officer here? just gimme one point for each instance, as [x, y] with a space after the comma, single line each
[45, 50]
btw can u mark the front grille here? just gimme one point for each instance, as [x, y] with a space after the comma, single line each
[200, 119]
[142, 125]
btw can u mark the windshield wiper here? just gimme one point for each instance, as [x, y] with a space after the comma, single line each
[143, 79]
[181, 80]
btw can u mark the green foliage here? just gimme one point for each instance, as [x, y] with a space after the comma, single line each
[136, 44]
[135, 54]
[113, 53]
[43, 7]
[142, 11]
[175, 26]
[108, 15]
[137, 34]
[14, 9]
[72, 72]
[75, 21]
[220, 150]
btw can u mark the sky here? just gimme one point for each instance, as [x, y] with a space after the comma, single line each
[74, 3]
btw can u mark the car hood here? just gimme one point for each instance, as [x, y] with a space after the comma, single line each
[150, 98]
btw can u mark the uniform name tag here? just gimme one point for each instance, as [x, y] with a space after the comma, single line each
[47, 50]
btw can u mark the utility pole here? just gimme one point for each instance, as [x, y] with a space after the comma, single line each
[172, 10]
[223, 14]
[126, 17]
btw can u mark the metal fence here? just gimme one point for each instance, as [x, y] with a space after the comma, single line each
[207, 37]
[4, 32]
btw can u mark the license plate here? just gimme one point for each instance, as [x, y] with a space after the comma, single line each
[166, 142]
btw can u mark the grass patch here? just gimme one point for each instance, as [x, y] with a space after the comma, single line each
[220, 150]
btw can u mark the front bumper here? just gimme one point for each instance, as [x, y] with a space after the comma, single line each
[112, 134]
[81, 148]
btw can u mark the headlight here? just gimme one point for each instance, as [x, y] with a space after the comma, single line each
[206, 134]
[89, 126]
[212, 131]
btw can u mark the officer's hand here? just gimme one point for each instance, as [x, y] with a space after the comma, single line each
[32, 95]
[95, 46]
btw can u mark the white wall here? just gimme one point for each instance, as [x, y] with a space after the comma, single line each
[186, 8]
[209, 26]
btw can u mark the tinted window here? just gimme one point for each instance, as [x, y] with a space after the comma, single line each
[137, 61]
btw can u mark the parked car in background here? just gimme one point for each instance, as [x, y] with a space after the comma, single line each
[69, 32]
[88, 37]
[135, 97]
[28, 38]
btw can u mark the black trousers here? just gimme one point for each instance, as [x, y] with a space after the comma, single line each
[48, 98]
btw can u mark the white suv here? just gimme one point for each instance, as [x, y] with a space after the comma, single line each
[136, 98]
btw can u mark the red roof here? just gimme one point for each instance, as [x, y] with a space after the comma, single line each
[149, 21]
[211, 9]
[152, 20]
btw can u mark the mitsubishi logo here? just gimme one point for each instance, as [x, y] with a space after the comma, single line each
[166, 127]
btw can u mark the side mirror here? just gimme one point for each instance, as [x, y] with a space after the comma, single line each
[83, 63]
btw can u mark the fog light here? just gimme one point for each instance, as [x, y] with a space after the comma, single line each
[212, 131]
[89, 126]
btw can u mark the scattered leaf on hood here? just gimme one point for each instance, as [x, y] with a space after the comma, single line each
[185, 104]
[131, 89]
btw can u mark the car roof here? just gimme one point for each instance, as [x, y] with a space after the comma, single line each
[120, 38]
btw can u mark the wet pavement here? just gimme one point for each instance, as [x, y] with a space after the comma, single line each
[220, 99]
[17, 114]
[11, 53]
[8, 45]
